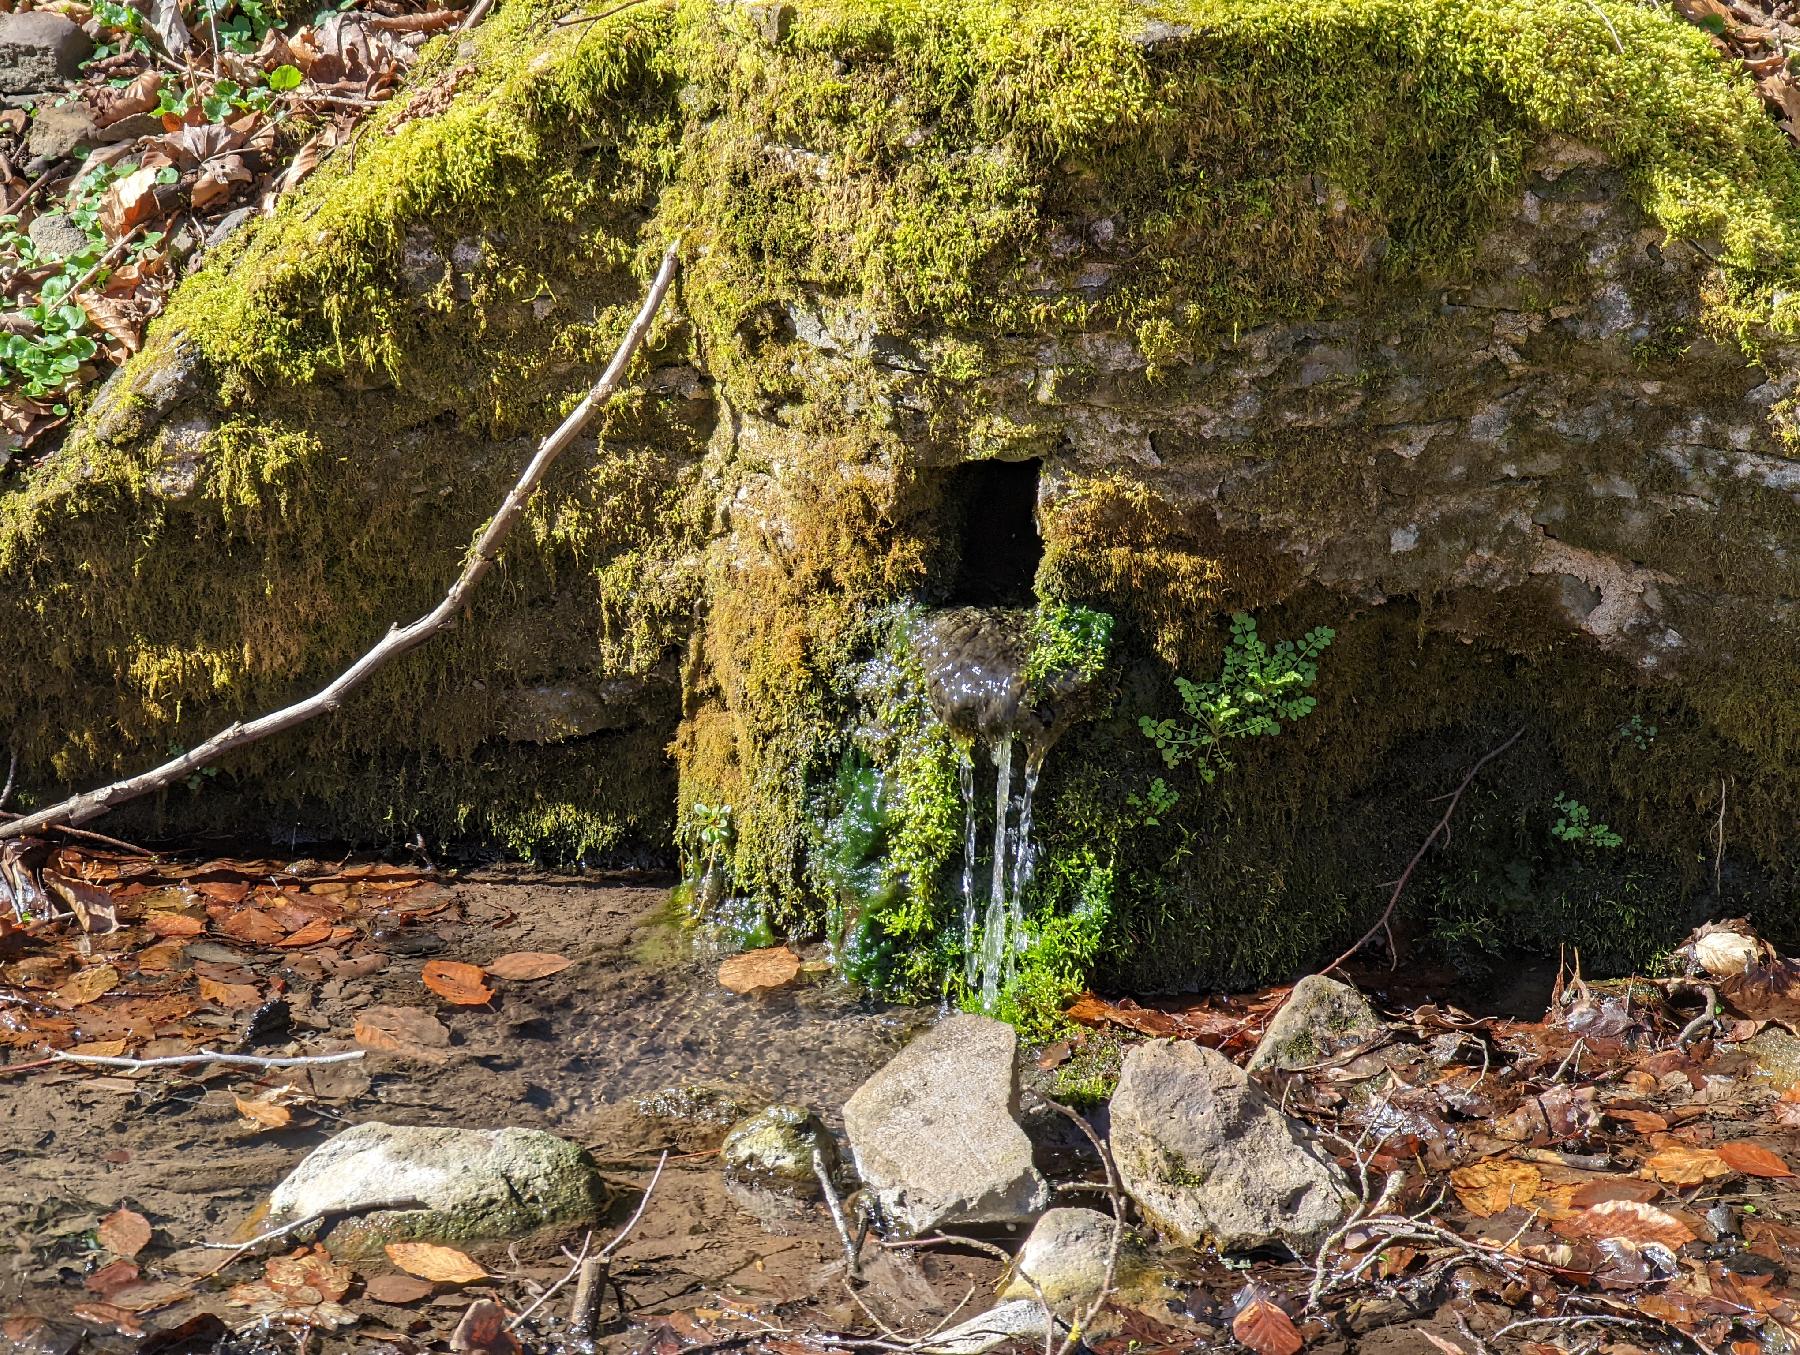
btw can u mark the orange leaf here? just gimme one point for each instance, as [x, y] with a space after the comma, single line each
[305, 1271]
[429, 1261]
[319, 929]
[174, 924]
[1629, 1220]
[265, 1113]
[124, 1233]
[1643, 1121]
[253, 927]
[234, 996]
[1262, 1326]
[1680, 1165]
[759, 971]
[1752, 1159]
[463, 984]
[408, 1031]
[87, 985]
[527, 964]
[1487, 1188]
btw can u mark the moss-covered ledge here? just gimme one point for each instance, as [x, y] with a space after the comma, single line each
[919, 233]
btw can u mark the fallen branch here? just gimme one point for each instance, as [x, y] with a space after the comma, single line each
[1440, 829]
[202, 1056]
[91, 804]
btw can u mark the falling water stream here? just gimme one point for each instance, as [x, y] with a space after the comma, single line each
[974, 661]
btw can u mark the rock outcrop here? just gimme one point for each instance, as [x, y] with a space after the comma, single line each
[933, 1134]
[1209, 1157]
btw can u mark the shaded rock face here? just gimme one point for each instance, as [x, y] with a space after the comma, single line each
[933, 1134]
[378, 1182]
[1208, 1156]
[1321, 1018]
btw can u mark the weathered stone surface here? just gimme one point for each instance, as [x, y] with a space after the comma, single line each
[1321, 1017]
[774, 1150]
[57, 129]
[402, 1181]
[1021, 1320]
[57, 236]
[1208, 1156]
[40, 50]
[933, 1133]
[1063, 1262]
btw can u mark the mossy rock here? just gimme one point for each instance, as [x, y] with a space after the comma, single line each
[1465, 328]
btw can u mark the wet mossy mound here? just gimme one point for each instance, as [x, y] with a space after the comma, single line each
[918, 234]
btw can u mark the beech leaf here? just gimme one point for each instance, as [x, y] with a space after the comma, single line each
[1264, 1327]
[462, 984]
[429, 1261]
[124, 1232]
[527, 964]
[759, 971]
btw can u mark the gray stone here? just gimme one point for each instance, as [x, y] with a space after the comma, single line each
[1208, 1156]
[1063, 1262]
[181, 452]
[40, 50]
[1321, 1018]
[450, 1185]
[933, 1133]
[56, 235]
[774, 1149]
[695, 1116]
[58, 130]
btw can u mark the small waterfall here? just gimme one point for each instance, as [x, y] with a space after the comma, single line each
[975, 663]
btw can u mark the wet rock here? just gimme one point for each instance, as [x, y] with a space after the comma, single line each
[56, 235]
[40, 50]
[59, 129]
[402, 1181]
[1064, 1262]
[774, 1149]
[1777, 1054]
[695, 1117]
[1321, 1018]
[1208, 1155]
[933, 1133]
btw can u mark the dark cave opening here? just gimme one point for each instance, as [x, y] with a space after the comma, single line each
[996, 507]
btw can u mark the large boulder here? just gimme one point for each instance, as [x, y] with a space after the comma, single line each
[1320, 1019]
[933, 1133]
[403, 1181]
[1208, 1156]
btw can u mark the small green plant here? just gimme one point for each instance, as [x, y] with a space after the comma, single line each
[1636, 731]
[241, 24]
[1158, 800]
[1576, 825]
[224, 99]
[1067, 642]
[1258, 687]
[122, 20]
[711, 830]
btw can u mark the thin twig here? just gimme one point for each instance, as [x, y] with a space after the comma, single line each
[272, 1235]
[1708, 1018]
[1718, 854]
[1116, 1194]
[203, 1056]
[90, 804]
[545, 1297]
[852, 1265]
[12, 776]
[1440, 829]
[477, 12]
[625, 1232]
[87, 835]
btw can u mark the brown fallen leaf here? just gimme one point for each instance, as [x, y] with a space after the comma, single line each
[319, 929]
[95, 909]
[111, 1278]
[87, 985]
[1490, 1187]
[430, 1261]
[1641, 1121]
[174, 925]
[253, 927]
[308, 1276]
[1262, 1325]
[410, 1032]
[232, 996]
[759, 971]
[124, 1232]
[106, 1049]
[1627, 1219]
[397, 1288]
[268, 1114]
[522, 965]
[129, 203]
[462, 984]
[1681, 1165]
[1752, 1159]
[482, 1331]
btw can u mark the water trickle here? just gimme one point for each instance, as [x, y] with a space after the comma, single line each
[975, 663]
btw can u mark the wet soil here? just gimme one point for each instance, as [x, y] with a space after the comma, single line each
[607, 1052]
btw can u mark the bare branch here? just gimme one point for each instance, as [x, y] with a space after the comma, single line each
[399, 639]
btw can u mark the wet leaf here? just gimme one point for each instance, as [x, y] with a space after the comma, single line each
[111, 1278]
[455, 982]
[87, 985]
[482, 1331]
[95, 909]
[1678, 1164]
[124, 1233]
[397, 1288]
[309, 1276]
[266, 1113]
[759, 971]
[1642, 1121]
[430, 1261]
[1752, 1159]
[1491, 1187]
[253, 927]
[232, 996]
[527, 964]
[410, 1032]
[1629, 1220]
[319, 929]
[1263, 1326]
[174, 925]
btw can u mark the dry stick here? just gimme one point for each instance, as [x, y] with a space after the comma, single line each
[477, 12]
[1116, 1194]
[91, 804]
[203, 1056]
[88, 836]
[1440, 829]
[852, 1266]
[592, 1270]
[1718, 855]
[545, 1297]
[12, 773]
